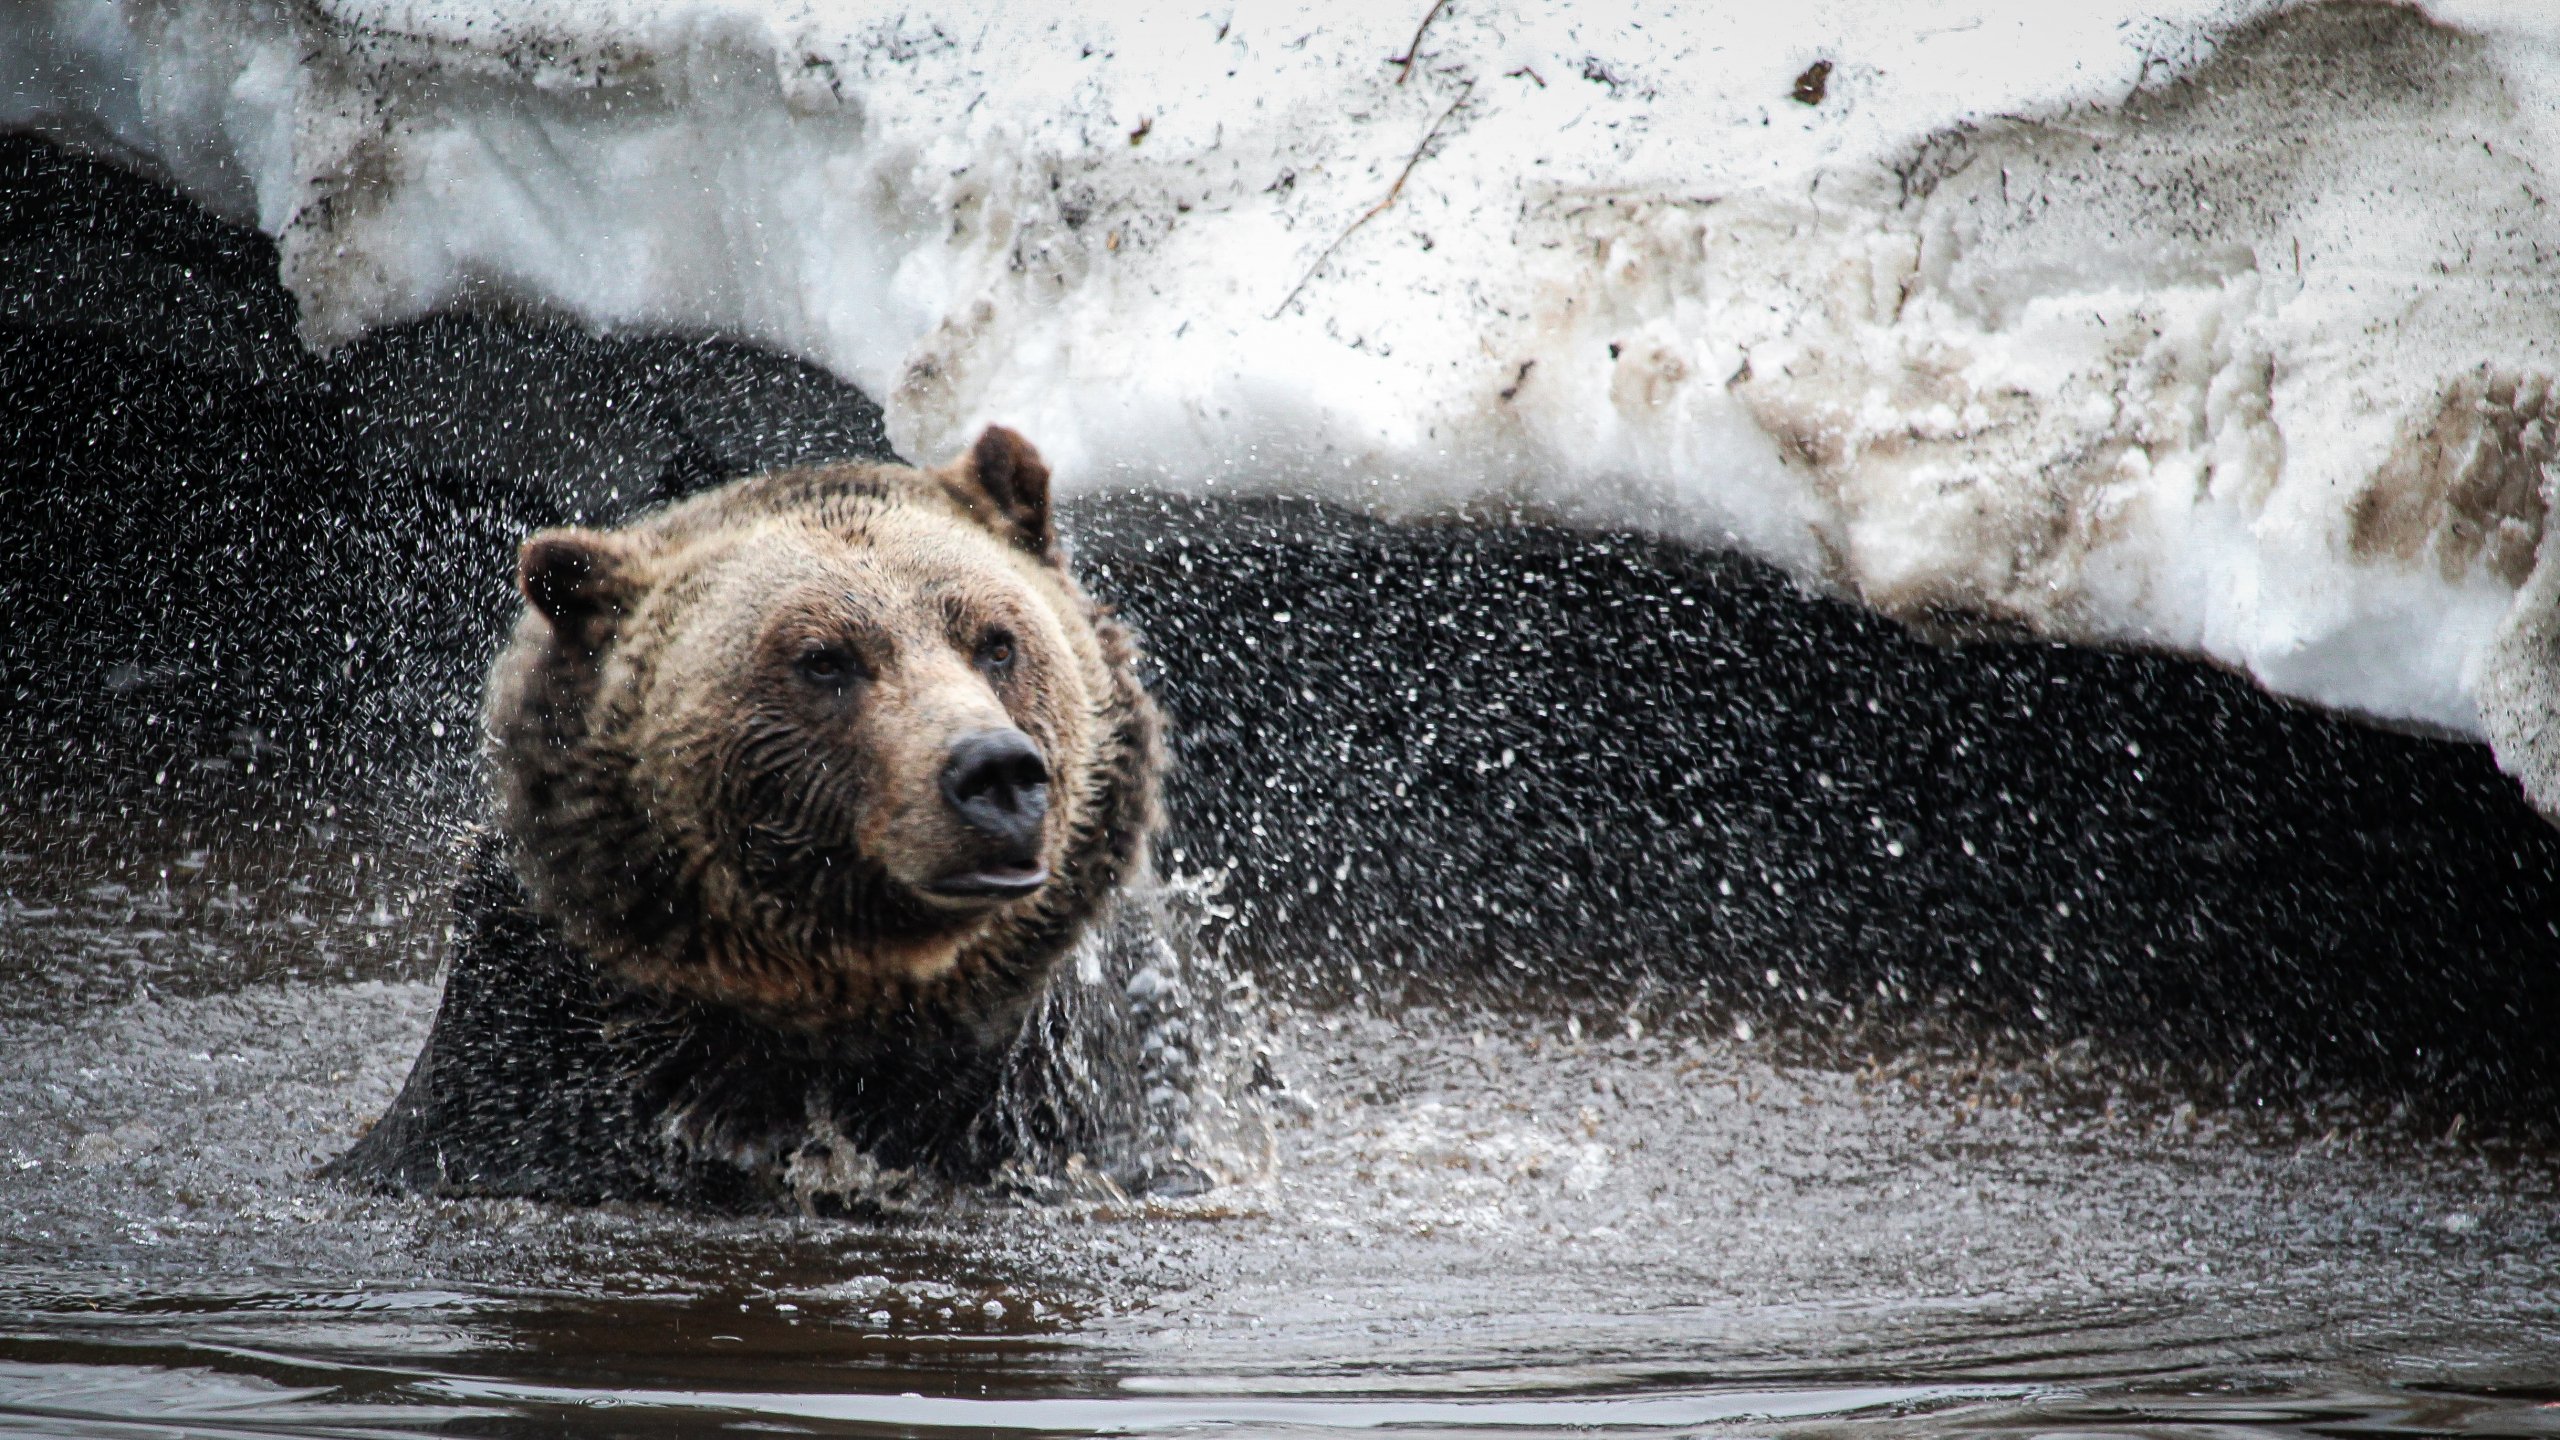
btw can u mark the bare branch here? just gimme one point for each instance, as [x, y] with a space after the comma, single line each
[1373, 211]
[1413, 51]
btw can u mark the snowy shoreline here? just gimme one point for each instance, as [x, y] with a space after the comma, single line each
[2228, 332]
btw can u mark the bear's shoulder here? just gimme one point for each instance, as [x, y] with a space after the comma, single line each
[517, 1100]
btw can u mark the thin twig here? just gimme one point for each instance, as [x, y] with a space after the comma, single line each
[1413, 51]
[1373, 211]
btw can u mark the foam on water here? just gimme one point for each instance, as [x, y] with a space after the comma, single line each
[2222, 328]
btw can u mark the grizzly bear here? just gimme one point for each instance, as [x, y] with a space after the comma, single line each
[805, 786]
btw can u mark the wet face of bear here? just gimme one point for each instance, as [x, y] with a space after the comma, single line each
[894, 743]
[806, 744]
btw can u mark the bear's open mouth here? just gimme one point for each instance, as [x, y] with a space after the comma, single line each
[992, 883]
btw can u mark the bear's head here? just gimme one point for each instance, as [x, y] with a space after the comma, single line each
[820, 742]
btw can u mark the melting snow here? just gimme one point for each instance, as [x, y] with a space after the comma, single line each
[2223, 328]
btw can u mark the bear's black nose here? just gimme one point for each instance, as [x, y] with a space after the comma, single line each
[999, 786]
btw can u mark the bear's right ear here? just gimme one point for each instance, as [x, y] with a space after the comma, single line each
[572, 575]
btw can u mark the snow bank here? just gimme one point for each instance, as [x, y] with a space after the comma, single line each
[2222, 328]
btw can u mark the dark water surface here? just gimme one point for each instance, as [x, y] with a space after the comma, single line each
[1456, 1221]
[1464, 1220]
[1699, 1008]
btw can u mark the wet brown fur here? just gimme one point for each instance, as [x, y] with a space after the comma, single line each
[704, 824]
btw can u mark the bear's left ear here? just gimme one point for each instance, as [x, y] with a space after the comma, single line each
[1005, 484]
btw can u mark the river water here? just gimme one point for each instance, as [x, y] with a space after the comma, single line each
[1453, 1220]
[1689, 1006]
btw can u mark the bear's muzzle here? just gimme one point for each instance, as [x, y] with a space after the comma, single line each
[998, 786]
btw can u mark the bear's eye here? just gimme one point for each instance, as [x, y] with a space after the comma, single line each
[833, 669]
[995, 652]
